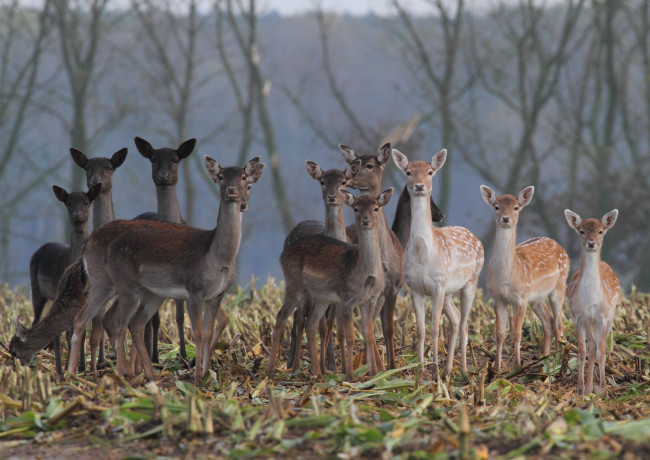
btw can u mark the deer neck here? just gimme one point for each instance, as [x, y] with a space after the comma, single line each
[369, 260]
[78, 236]
[168, 210]
[103, 210]
[335, 222]
[504, 260]
[421, 227]
[385, 240]
[590, 267]
[402, 221]
[227, 235]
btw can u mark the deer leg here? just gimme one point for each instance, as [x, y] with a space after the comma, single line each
[454, 321]
[222, 322]
[593, 344]
[290, 301]
[180, 326]
[437, 301]
[466, 301]
[137, 326]
[322, 332]
[417, 299]
[297, 330]
[148, 337]
[582, 354]
[82, 353]
[388, 327]
[330, 315]
[501, 313]
[96, 332]
[520, 313]
[556, 299]
[341, 318]
[102, 352]
[194, 307]
[601, 355]
[368, 330]
[155, 328]
[542, 312]
[311, 325]
[211, 308]
[57, 354]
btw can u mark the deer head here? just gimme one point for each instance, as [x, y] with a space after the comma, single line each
[591, 231]
[332, 180]
[235, 182]
[371, 168]
[507, 207]
[366, 208]
[419, 174]
[99, 170]
[77, 203]
[164, 161]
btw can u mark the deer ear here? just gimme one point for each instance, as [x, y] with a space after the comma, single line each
[349, 155]
[60, 193]
[255, 176]
[348, 198]
[352, 169]
[251, 166]
[400, 160]
[144, 147]
[79, 157]
[385, 196]
[489, 195]
[438, 160]
[118, 157]
[313, 169]
[213, 168]
[94, 191]
[21, 331]
[526, 195]
[572, 219]
[609, 219]
[186, 148]
[384, 153]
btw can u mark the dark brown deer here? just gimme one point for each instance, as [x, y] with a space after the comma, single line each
[100, 170]
[164, 171]
[144, 262]
[331, 271]
[50, 260]
[331, 182]
[70, 297]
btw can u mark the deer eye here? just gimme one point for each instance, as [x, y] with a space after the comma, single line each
[496, 208]
[344, 182]
[516, 208]
[356, 209]
[220, 176]
[408, 173]
[376, 209]
[322, 182]
[431, 172]
[109, 168]
[582, 232]
[368, 166]
[600, 232]
[175, 160]
[248, 187]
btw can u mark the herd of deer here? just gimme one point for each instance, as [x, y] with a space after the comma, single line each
[328, 268]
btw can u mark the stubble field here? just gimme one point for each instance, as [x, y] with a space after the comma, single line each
[240, 412]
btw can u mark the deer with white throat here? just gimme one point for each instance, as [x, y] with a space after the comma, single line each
[593, 293]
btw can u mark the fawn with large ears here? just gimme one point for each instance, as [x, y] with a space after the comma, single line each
[534, 271]
[593, 293]
[438, 262]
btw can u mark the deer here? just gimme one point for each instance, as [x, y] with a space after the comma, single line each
[164, 171]
[331, 271]
[70, 298]
[534, 272]
[593, 293]
[438, 262]
[144, 262]
[100, 170]
[331, 182]
[48, 262]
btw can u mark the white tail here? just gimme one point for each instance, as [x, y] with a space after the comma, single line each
[592, 292]
[438, 262]
[533, 271]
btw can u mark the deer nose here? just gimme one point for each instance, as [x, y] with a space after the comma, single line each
[331, 198]
[94, 181]
[231, 190]
[591, 244]
[365, 221]
[505, 219]
[419, 187]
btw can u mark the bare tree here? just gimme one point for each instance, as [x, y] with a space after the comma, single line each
[23, 39]
[242, 19]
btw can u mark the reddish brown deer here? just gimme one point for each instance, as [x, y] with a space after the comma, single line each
[144, 262]
[164, 171]
[534, 271]
[70, 297]
[48, 263]
[593, 293]
[100, 170]
[439, 262]
[331, 182]
[331, 271]
[369, 181]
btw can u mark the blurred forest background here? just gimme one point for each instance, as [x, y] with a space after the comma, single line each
[554, 94]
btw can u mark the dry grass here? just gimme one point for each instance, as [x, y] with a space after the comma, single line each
[530, 411]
